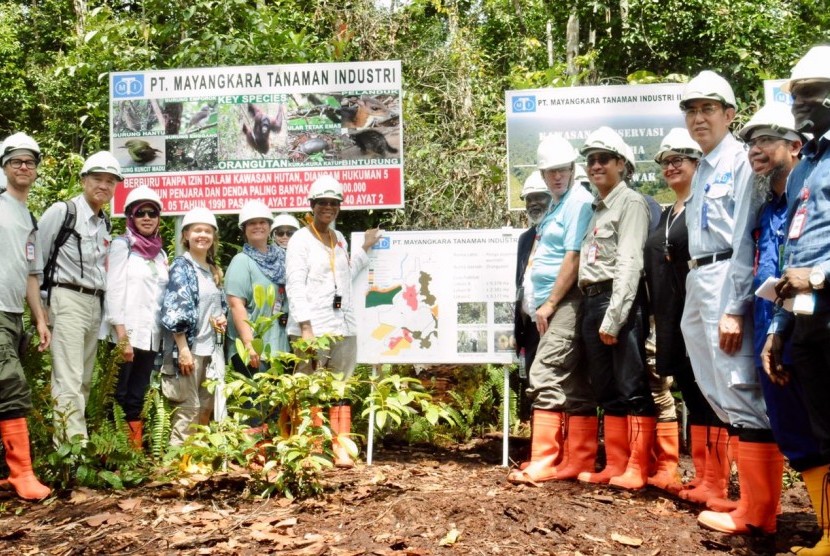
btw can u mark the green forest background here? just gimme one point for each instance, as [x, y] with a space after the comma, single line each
[458, 59]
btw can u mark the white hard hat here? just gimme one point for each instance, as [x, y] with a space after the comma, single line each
[814, 65]
[254, 209]
[774, 119]
[678, 142]
[606, 139]
[325, 187]
[708, 85]
[534, 183]
[199, 215]
[141, 193]
[18, 142]
[285, 219]
[580, 175]
[555, 151]
[103, 162]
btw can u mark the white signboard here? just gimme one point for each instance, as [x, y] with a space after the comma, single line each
[438, 297]
[773, 92]
[641, 114]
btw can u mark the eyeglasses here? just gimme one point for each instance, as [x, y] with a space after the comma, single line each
[18, 163]
[557, 171]
[675, 162]
[146, 213]
[764, 141]
[706, 110]
[283, 233]
[602, 158]
[328, 202]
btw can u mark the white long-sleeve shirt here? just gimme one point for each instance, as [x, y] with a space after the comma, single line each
[135, 287]
[310, 284]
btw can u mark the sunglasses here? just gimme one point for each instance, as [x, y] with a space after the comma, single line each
[602, 158]
[328, 202]
[146, 213]
[283, 233]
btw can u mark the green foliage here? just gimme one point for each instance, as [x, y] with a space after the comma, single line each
[156, 413]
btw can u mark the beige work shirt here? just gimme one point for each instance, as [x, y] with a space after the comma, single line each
[617, 231]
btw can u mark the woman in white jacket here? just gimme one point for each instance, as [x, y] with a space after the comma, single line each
[319, 275]
[137, 274]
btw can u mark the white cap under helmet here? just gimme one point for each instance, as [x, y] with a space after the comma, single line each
[678, 142]
[534, 183]
[285, 219]
[18, 142]
[775, 120]
[814, 65]
[555, 152]
[606, 139]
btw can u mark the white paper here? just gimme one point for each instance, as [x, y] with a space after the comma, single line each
[801, 304]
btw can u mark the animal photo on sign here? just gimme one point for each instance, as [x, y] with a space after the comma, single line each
[139, 152]
[372, 125]
[191, 154]
[136, 116]
[252, 131]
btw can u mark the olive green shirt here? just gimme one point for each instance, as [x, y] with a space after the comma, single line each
[618, 230]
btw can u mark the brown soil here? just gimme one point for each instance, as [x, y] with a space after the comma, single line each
[411, 502]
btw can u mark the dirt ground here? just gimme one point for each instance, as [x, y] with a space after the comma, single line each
[411, 502]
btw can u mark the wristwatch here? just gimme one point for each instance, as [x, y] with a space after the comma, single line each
[817, 278]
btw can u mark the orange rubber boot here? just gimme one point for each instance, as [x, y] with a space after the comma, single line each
[136, 433]
[760, 467]
[697, 437]
[580, 447]
[641, 432]
[616, 451]
[667, 447]
[15, 433]
[545, 450]
[340, 420]
[716, 471]
[817, 481]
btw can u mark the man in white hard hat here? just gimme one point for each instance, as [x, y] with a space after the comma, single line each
[19, 279]
[717, 317]
[774, 145]
[558, 386]
[77, 281]
[536, 196]
[806, 269]
[614, 326]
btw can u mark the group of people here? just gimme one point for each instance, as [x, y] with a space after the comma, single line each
[752, 371]
[171, 316]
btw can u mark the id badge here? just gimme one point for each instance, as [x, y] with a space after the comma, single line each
[30, 251]
[592, 252]
[797, 225]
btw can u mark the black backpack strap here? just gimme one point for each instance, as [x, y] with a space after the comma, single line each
[67, 229]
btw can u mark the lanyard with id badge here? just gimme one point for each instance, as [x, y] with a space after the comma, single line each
[800, 216]
[593, 249]
[337, 302]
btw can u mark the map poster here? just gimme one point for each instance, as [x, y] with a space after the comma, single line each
[641, 114]
[220, 137]
[437, 297]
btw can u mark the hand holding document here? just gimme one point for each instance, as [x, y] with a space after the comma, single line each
[801, 304]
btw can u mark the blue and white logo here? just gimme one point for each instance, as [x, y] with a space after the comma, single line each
[780, 96]
[383, 243]
[525, 103]
[128, 86]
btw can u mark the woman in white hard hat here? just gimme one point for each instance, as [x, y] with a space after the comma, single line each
[259, 264]
[283, 228]
[666, 258]
[319, 274]
[137, 275]
[613, 325]
[193, 311]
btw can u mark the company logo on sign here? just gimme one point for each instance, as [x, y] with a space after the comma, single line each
[383, 243]
[126, 86]
[781, 96]
[524, 103]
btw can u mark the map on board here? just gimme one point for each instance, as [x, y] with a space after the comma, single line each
[437, 297]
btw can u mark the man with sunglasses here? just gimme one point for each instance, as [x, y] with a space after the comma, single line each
[613, 324]
[19, 279]
[717, 317]
[76, 297]
[806, 270]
